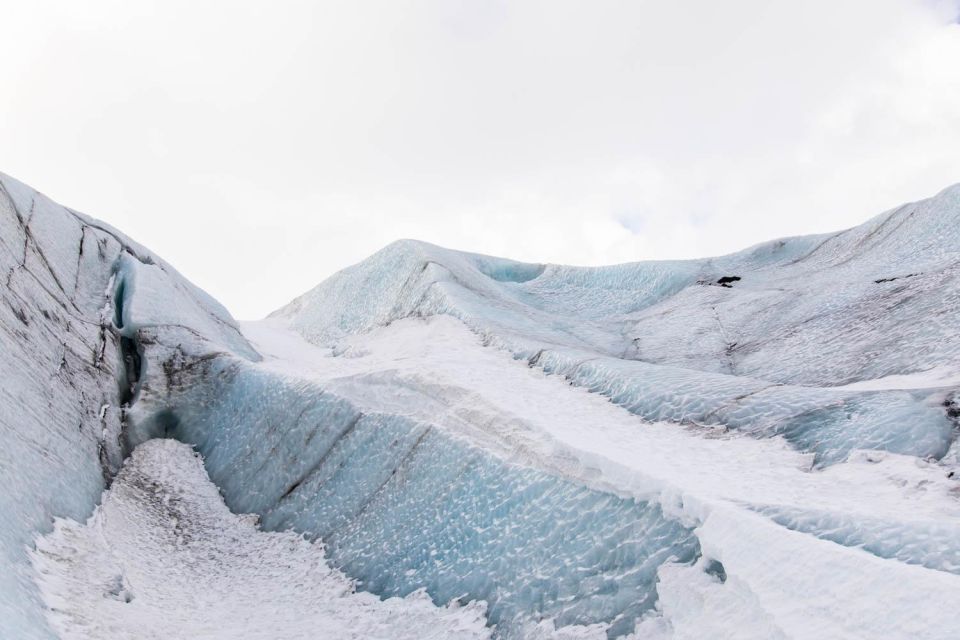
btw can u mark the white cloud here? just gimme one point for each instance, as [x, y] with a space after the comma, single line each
[261, 146]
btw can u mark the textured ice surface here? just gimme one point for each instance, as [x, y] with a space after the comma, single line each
[930, 543]
[829, 422]
[403, 506]
[426, 461]
[676, 341]
[65, 370]
[59, 407]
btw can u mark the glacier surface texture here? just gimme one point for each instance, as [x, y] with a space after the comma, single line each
[434, 443]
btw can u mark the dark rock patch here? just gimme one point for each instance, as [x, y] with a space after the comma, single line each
[727, 281]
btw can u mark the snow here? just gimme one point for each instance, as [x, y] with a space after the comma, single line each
[776, 353]
[403, 504]
[873, 506]
[162, 557]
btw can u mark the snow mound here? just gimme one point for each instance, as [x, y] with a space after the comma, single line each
[163, 557]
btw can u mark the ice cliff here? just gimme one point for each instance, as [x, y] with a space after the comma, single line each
[71, 367]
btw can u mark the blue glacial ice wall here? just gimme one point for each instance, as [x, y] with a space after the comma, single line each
[403, 506]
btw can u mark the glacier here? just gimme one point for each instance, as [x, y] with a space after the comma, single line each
[760, 445]
[769, 353]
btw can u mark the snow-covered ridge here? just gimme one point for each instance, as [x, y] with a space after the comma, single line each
[428, 462]
[780, 339]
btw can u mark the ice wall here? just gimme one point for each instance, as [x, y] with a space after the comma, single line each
[403, 505]
[69, 368]
[59, 408]
[830, 422]
[931, 544]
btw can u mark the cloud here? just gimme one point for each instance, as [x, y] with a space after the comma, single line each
[260, 147]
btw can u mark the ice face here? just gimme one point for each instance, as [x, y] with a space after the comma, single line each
[59, 409]
[69, 366]
[826, 421]
[404, 506]
[935, 545]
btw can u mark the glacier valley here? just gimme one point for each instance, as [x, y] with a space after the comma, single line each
[438, 444]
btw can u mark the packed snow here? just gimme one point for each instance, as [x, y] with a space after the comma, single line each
[441, 444]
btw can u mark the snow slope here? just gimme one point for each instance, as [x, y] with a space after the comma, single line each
[778, 351]
[162, 557]
[628, 451]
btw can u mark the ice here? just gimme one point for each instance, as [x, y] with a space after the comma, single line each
[146, 296]
[67, 370]
[565, 448]
[931, 543]
[59, 409]
[403, 506]
[827, 421]
[667, 341]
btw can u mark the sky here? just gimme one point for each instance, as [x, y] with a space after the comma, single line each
[262, 146]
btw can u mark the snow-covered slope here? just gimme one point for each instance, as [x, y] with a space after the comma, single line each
[784, 347]
[567, 448]
[163, 547]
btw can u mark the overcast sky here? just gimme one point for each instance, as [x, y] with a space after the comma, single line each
[261, 146]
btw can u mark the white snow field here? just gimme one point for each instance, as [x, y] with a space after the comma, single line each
[443, 444]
